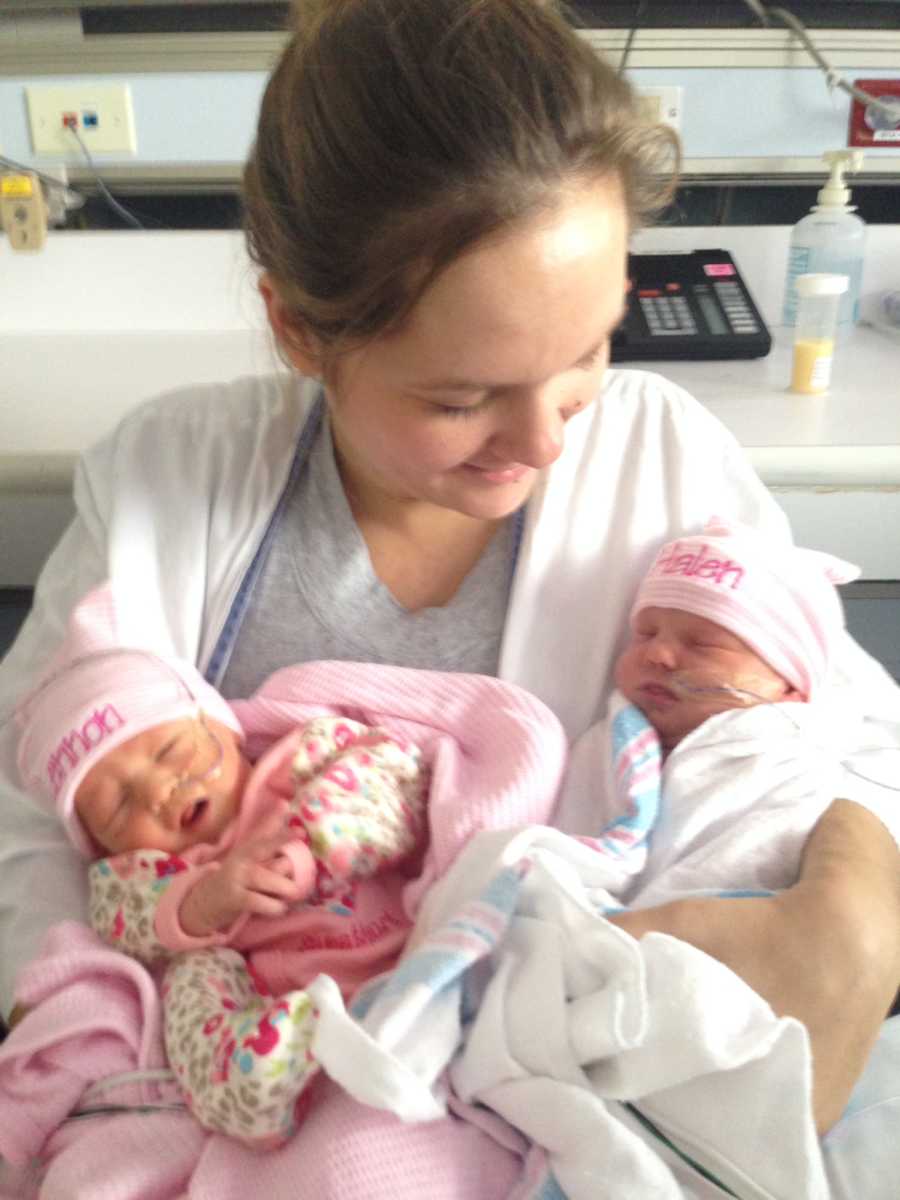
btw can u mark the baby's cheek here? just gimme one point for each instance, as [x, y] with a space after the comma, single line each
[624, 670]
[93, 820]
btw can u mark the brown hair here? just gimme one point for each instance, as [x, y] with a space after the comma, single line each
[395, 134]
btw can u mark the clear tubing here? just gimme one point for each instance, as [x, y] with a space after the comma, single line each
[742, 693]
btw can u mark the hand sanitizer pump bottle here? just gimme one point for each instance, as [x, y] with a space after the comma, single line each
[831, 240]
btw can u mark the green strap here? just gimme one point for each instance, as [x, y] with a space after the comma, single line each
[658, 1133]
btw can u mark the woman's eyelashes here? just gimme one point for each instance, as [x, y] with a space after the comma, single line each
[458, 410]
[589, 363]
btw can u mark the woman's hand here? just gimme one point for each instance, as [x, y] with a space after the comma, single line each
[826, 951]
[255, 878]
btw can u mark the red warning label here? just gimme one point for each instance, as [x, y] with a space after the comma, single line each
[870, 125]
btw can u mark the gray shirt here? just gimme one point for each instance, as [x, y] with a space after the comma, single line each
[318, 597]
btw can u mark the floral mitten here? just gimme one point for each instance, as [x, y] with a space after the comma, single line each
[360, 797]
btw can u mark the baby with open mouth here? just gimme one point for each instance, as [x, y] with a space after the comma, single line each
[204, 856]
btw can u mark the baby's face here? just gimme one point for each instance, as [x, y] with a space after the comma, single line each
[674, 664]
[165, 789]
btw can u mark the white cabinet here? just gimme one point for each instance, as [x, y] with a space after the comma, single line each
[859, 524]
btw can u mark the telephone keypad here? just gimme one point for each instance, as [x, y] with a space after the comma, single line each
[666, 313]
[731, 297]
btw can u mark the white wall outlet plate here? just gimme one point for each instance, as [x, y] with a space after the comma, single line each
[662, 104]
[101, 113]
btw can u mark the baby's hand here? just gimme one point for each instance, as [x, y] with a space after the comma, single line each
[255, 878]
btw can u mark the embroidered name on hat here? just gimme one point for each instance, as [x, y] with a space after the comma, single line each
[73, 747]
[699, 564]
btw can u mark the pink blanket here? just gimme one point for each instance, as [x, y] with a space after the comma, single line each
[496, 756]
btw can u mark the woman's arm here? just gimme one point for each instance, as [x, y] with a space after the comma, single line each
[826, 951]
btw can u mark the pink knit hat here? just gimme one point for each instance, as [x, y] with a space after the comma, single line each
[97, 694]
[778, 598]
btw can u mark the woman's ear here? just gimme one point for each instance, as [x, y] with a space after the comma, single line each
[297, 344]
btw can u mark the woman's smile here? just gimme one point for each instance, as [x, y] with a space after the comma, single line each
[513, 473]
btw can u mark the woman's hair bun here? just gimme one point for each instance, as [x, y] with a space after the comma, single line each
[305, 16]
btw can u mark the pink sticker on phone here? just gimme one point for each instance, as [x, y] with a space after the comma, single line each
[719, 268]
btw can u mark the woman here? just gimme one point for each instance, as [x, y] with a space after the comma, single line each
[440, 198]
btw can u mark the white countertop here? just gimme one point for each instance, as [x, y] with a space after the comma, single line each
[849, 437]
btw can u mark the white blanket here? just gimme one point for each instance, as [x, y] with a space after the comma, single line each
[579, 1036]
[730, 809]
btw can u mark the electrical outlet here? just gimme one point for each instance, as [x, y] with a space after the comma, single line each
[662, 104]
[101, 114]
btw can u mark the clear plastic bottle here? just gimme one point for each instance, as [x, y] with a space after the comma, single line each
[831, 240]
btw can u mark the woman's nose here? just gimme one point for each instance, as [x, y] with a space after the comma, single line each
[534, 436]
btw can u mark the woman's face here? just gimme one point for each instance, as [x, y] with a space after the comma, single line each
[462, 406]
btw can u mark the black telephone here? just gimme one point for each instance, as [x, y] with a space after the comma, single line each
[693, 305]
